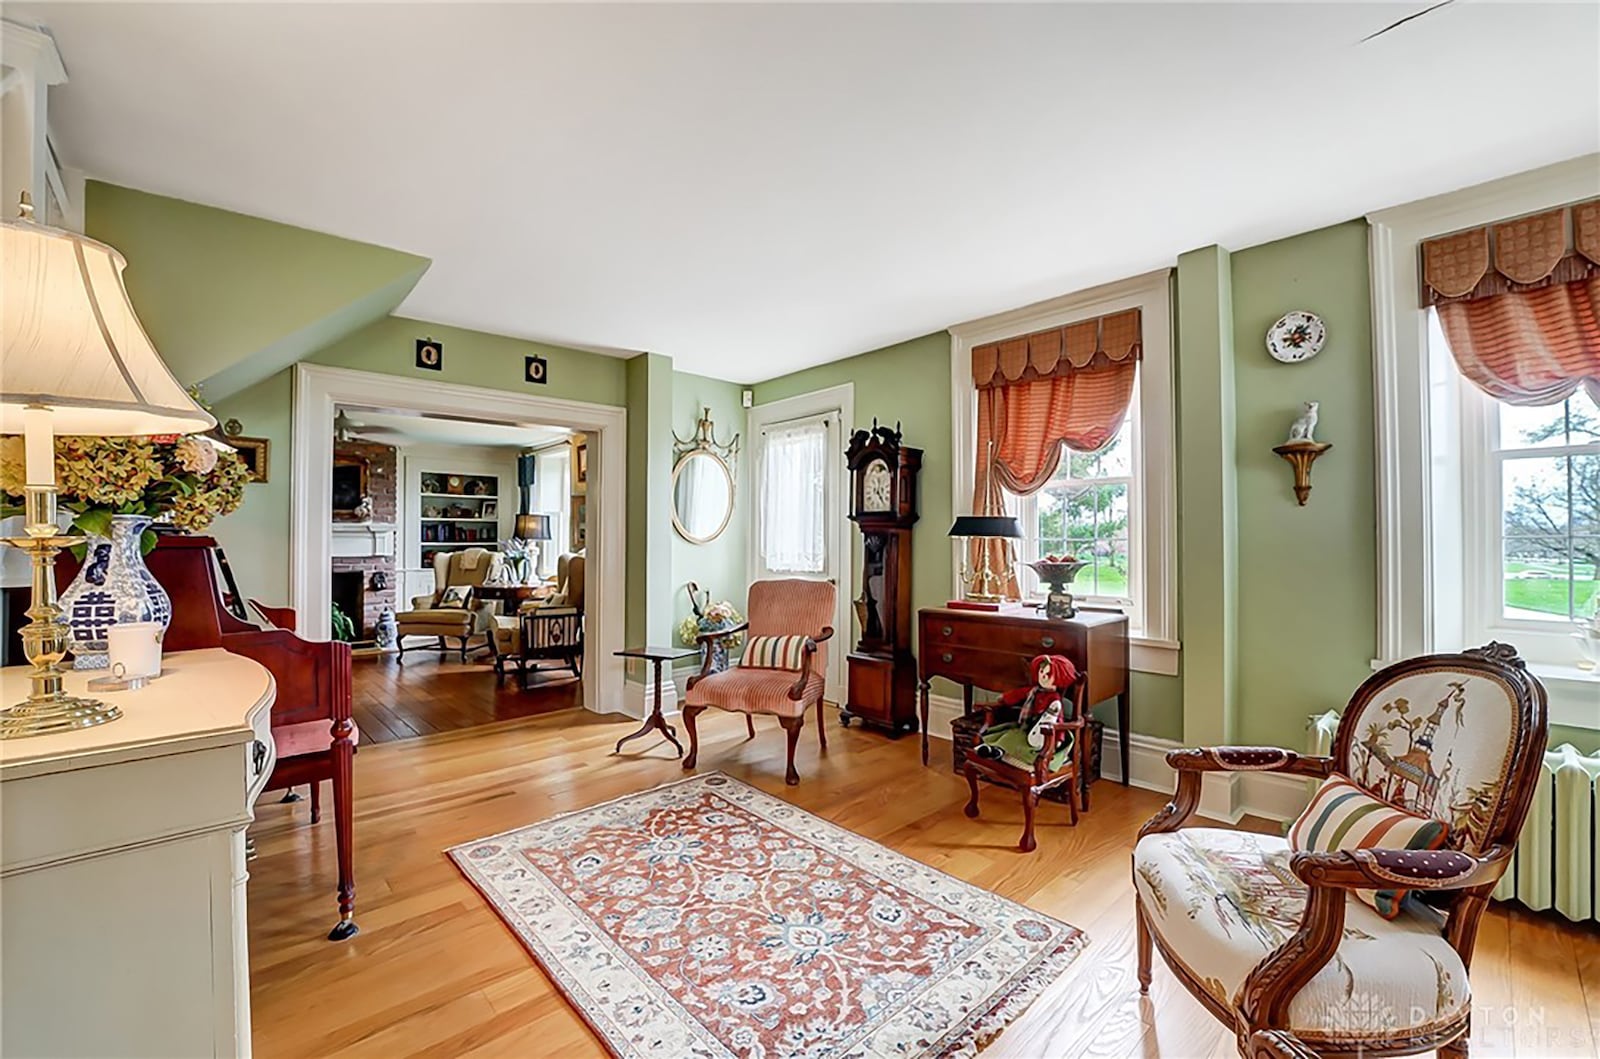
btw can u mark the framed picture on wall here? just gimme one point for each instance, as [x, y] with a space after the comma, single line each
[256, 454]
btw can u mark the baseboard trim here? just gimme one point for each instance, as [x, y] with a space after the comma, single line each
[637, 699]
[1224, 796]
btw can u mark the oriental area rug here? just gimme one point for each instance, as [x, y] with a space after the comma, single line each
[707, 918]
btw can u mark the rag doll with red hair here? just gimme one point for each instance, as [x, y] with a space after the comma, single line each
[1038, 706]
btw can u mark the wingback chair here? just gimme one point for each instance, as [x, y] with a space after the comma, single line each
[428, 616]
[1268, 937]
[787, 607]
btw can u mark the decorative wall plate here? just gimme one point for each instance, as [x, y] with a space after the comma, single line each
[1297, 336]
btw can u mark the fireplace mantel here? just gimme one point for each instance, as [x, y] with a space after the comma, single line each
[363, 540]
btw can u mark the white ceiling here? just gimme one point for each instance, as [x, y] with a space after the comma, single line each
[409, 428]
[751, 189]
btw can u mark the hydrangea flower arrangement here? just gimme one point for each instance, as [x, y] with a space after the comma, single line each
[178, 479]
[710, 617]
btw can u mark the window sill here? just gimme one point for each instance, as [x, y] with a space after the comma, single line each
[1574, 694]
[1153, 656]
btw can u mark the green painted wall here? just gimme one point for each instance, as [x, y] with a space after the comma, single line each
[909, 383]
[722, 564]
[230, 299]
[477, 358]
[257, 535]
[1307, 576]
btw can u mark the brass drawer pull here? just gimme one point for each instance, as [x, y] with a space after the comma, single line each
[946, 631]
[1047, 641]
[947, 657]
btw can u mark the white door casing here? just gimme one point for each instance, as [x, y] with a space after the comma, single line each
[834, 406]
[318, 389]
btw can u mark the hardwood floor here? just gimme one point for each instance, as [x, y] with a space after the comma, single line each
[427, 695]
[434, 971]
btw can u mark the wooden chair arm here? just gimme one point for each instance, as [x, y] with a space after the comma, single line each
[1248, 759]
[705, 639]
[1272, 985]
[808, 667]
[1278, 1044]
[1405, 869]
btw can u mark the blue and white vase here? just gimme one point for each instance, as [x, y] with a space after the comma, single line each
[113, 586]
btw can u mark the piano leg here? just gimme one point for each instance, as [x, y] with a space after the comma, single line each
[343, 816]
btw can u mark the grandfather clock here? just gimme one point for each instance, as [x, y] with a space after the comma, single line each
[883, 505]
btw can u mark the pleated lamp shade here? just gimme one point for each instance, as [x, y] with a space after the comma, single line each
[71, 342]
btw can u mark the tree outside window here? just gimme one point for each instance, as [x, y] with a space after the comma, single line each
[1550, 503]
[1084, 511]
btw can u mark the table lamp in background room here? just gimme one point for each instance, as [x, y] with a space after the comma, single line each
[533, 529]
[984, 588]
[73, 360]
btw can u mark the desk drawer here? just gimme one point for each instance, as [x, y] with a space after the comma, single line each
[991, 670]
[997, 634]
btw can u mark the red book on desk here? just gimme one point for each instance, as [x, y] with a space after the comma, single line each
[972, 604]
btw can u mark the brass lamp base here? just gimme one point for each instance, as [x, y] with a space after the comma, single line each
[62, 713]
[44, 639]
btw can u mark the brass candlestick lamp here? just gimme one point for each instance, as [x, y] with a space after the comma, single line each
[986, 584]
[73, 360]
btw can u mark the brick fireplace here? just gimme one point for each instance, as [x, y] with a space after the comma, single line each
[364, 552]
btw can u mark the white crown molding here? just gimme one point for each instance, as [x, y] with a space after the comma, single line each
[318, 389]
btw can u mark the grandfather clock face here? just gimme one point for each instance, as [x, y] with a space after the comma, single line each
[877, 488]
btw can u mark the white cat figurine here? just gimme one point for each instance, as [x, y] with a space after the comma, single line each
[1305, 426]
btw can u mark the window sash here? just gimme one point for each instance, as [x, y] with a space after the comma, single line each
[1027, 512]
[1484, 536]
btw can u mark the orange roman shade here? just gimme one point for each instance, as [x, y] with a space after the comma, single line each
[1519, 302]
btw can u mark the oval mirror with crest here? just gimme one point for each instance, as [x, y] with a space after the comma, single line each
[703, 483]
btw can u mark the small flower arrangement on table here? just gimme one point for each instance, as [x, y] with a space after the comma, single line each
[710, 617]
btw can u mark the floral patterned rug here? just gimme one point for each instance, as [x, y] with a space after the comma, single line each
[707, 918]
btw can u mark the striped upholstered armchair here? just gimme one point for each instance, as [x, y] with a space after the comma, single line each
[781, 673]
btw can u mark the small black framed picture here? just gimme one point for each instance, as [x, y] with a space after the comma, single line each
[535, 370]
[430, 354]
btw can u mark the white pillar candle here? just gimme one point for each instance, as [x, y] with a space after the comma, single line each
[135, 647]
[39, 445]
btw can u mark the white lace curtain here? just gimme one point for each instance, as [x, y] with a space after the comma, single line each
[793, 465]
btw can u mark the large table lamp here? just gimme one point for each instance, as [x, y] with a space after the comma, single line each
[535, 529]
[73, 360]
[985, 584]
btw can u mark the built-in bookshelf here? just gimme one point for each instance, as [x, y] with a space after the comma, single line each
[457, 511]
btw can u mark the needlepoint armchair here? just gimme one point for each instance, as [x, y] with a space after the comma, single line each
[1269, 938]
[451, 615]
[778, 608]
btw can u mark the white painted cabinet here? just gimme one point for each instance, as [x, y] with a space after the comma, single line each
[122, 869]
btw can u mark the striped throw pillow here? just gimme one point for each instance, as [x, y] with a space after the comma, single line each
[1343, 816]
[774, 652]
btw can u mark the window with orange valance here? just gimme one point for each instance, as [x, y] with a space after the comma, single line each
[1519, 302]
[1065, 387]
